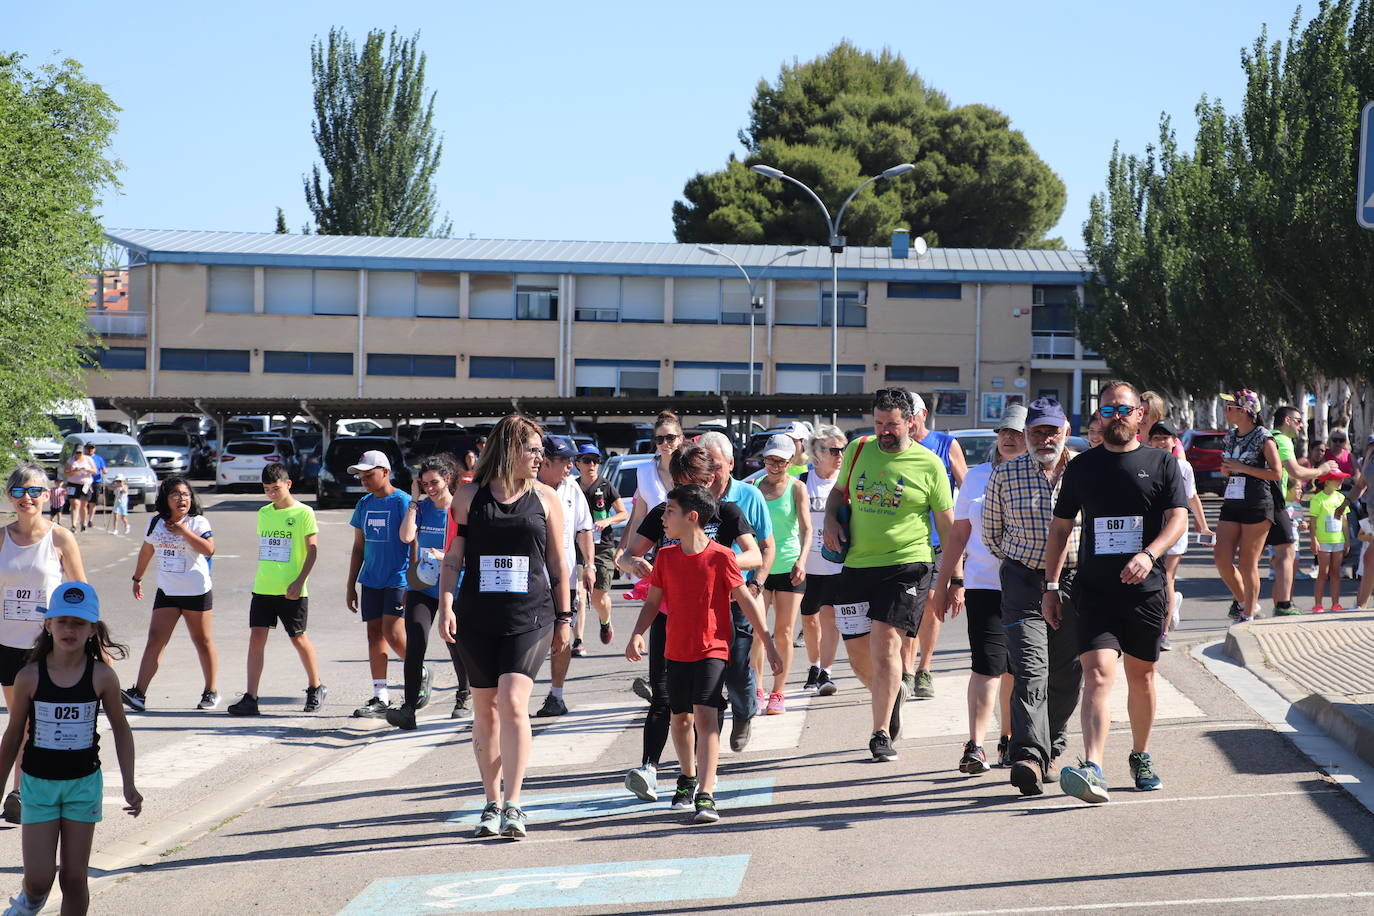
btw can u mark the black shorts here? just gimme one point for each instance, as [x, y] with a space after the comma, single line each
[376, 603]
[80, 490]
[203, 602]
[487, 657]
[604, 562]
[698, 683]
[820, 591]
[782, 582]
[896, 595]
[266, 610]
[1129, 622]
[1281, 532]
[11, 662]
[1234, 510]
[987, 638]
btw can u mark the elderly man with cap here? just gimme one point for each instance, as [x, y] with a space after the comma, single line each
[577, 533]
[377, 567]
[1018, 508]
[608, 510]
[916, 679]
[979, 591]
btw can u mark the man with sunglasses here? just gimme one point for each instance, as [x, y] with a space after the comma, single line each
[894, 489]
[1134, 508]
[1018, 504]
[608, 510]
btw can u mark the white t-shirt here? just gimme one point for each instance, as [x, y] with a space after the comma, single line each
[981, 568]
[577, 516]
[1189, 489]
[817, 492]
[648, 486]
[180, 570]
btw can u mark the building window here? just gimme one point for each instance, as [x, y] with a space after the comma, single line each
[924, 291]
[853, 308]
[536, 298]
[297, 291]
[436, 295]
[305, 363]
[390, 294]
[702, 378]
[336, 292]
[612, 377]
[598, 299]
[922, 373]
[512, 367]
[814, 378]
[230, 290]
[173, 359]
[949, 402]
[116, 358]
[797, 303]
[641, 299]
[491, 296]
[412, 364]
[696, 301]
[1052, 325]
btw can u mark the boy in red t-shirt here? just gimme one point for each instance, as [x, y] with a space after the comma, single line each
[698, 578]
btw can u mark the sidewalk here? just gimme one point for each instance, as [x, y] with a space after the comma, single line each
[1323, 665]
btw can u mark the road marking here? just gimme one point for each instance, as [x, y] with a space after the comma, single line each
[1151, 904]
[387, 756]
[775, 733]
[595, 884]
[564, 806]
[175, 763]
[580, 736]
[1164, 800]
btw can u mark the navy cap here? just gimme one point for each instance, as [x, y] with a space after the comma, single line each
[559, 447]
[1045, 412]
[589, 449]
[1162, 428]
[73, 599]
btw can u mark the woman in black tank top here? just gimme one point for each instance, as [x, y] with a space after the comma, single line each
[512, 605]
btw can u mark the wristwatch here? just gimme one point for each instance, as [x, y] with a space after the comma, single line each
[1051, 586]
[956, 580]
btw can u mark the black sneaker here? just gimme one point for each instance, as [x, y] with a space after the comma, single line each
[462, 706]
[13, 807]
[880, 746]
[577, 649]
[1234, 611]
[1027, 776]
[706, 809]
[1003, 752]
[403, 717]
[209, 699]
[553, 706]
[426, 680]
[825, 686]
[314, 698]
[134, 699]
[641, 689]
[894, 722]
[975, 760]
[682, 797]
[740, 730]
[372, 709]
[813, 682]
[248, 706]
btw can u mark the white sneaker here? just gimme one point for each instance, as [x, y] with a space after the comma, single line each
[642, 781]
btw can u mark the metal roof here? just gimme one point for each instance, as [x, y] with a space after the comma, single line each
[638, 258]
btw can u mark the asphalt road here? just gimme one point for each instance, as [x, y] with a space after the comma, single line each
[306, 814]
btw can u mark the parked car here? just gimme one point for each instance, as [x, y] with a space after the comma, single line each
[357, 426]
[242, 460]
[453, 444]
[622, 471]
[976, 443]
[339, 488]
[1202, 448]
[171, 449]
[123, 455]
[619, 435]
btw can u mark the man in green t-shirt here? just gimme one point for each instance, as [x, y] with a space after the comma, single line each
[287, 550]
[1283, 537]
[892, 488]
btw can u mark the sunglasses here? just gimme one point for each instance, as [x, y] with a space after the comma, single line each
[834, 452]
[1117, 410]
[535, 451]
[21, 492]
[589, 459]
[663, 440]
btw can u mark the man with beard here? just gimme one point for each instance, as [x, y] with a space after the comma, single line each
[1018, 508]
[893, 489]
[1133, 508]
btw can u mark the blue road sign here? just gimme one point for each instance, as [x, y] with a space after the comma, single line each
[594, 884]
[1364, 206]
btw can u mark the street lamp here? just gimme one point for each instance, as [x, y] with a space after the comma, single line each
[836, 247]
[751, 281]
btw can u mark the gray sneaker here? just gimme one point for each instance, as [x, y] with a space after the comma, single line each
[426, 679]
[642, 781]
[315, 697]
[513, 822]
[462, 706]
[209, 699]
[1084, 782]
[909, 685]
[925, 686]
[489, 824]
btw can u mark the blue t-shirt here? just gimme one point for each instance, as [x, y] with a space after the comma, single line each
[385, 557]
[100, 465]
[432, 531]
[939, 443]
[755, 509]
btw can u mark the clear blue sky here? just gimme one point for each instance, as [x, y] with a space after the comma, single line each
[584, 121]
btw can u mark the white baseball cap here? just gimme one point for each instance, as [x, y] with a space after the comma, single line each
[779, 447]
[799, 429]
[370, 460]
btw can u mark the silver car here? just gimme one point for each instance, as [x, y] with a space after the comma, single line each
[123, 457]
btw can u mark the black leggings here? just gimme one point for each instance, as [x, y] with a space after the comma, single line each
[659, 717]
[421, 610]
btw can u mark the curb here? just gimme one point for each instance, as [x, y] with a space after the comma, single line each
[1349, 723]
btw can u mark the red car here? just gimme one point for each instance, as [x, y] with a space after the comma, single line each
[1202, 447]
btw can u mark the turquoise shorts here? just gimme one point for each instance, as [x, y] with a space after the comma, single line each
[65, 799]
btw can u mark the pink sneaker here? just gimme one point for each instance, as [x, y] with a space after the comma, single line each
[776, 705]
[1337, 607]
[758, 694]
[1318, 609]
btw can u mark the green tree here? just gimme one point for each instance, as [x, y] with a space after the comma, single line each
[374, 127]
[281, 222]
[838, 119]
[55, 132]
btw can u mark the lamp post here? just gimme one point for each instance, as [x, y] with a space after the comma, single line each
[837, 243]
[751, 281]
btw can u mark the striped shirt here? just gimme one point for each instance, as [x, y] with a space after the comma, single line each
[1018, 506]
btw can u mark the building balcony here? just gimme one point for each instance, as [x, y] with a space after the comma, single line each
[118, 323]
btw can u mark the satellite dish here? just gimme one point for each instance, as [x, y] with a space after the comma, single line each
[919, 244]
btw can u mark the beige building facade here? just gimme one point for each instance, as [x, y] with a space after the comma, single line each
[240, 314]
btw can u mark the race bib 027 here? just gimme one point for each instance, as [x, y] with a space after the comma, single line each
[23, 603]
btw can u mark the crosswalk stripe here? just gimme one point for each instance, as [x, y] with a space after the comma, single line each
[774, 733]
[180, 761]
[388, 755]
[581, 736]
